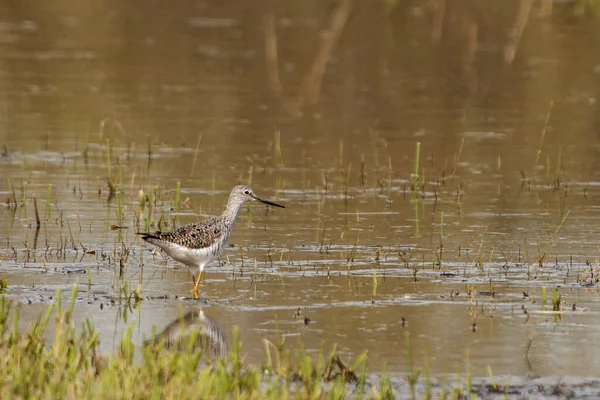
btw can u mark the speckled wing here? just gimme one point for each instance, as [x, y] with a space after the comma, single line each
[194, 236]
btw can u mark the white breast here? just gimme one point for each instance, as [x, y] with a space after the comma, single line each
[194, 257]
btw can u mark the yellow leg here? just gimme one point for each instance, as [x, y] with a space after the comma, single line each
[196, 285]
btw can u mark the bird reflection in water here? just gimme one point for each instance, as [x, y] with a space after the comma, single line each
[212, 338]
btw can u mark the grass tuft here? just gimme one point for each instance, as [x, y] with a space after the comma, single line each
[72, 367]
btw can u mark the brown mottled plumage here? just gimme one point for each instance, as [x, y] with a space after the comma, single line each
[199, 243]
[197, 235]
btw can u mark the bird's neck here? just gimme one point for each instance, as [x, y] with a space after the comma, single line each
[231, 212]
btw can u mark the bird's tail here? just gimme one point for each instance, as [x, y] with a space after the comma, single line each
[147, 236]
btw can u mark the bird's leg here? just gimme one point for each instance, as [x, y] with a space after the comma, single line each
[196, 284]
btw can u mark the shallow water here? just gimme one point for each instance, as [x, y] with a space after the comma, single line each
[507, 201]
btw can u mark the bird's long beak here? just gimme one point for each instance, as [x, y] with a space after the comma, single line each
[268, 202]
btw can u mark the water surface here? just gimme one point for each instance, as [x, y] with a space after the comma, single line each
[505, 208]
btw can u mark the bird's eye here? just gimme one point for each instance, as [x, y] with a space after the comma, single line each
[246, 192]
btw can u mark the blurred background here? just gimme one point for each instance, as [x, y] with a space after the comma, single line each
[323, 70]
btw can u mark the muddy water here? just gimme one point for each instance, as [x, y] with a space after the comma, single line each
[506, 202]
